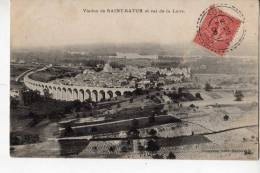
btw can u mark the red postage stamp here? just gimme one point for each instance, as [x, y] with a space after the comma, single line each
[217, 30]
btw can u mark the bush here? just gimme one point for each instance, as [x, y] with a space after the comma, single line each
[152, 145]
[67, 109]
[14, 103]
[94, 148]
[77, 105]
[124, 149]
[238, 95]
[157, 156]
[226, 117]
[133, 133]
[17, 138]
[171, 156]
[138, 91]
[248, 152]
[152, 132]
[112, 148]
[164, 112]
[116, 65]
[192, 106]
[68, 131]
[198, 96]
[140, 147]
[35, 119]
[30, 96]
[208, 87]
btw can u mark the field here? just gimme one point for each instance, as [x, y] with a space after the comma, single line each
[235, 81]
[54, 73]
[16, 70]
[216, 127]
[201, 134]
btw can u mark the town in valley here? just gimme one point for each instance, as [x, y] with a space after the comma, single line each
[132, 102]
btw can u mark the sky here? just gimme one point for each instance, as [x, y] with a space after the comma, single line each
[36, 23]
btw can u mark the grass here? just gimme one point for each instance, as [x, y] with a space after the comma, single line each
[17, 70]
[124, 125]
[53, 73]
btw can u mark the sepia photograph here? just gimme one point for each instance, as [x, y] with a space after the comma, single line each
[134, 79]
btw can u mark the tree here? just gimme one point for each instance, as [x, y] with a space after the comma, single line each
[157, 156]
[112, 148]
[192, 106]
[35, 119]
[46, 94]
[77, 105]
[164, 112]
[238, 95]
[68, 131]
[140, 147]
[87, 105]
[124, 149]
[127, 93]
[67, 109]
[198, 96]
[226, 117]
[208, 87]
[152, 145]
[133, 133]
[171, 156]
[14, 103]
[29, 96]
[152, 132]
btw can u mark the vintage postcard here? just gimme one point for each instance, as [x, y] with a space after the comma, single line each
[140, 79]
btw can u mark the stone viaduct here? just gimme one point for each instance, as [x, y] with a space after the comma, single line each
[73, 92]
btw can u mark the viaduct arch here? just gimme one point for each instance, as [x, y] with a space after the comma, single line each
[71, 93]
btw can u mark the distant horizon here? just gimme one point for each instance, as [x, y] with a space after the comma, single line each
[90, 48]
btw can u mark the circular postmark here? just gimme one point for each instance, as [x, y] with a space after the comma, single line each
[220, 28]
